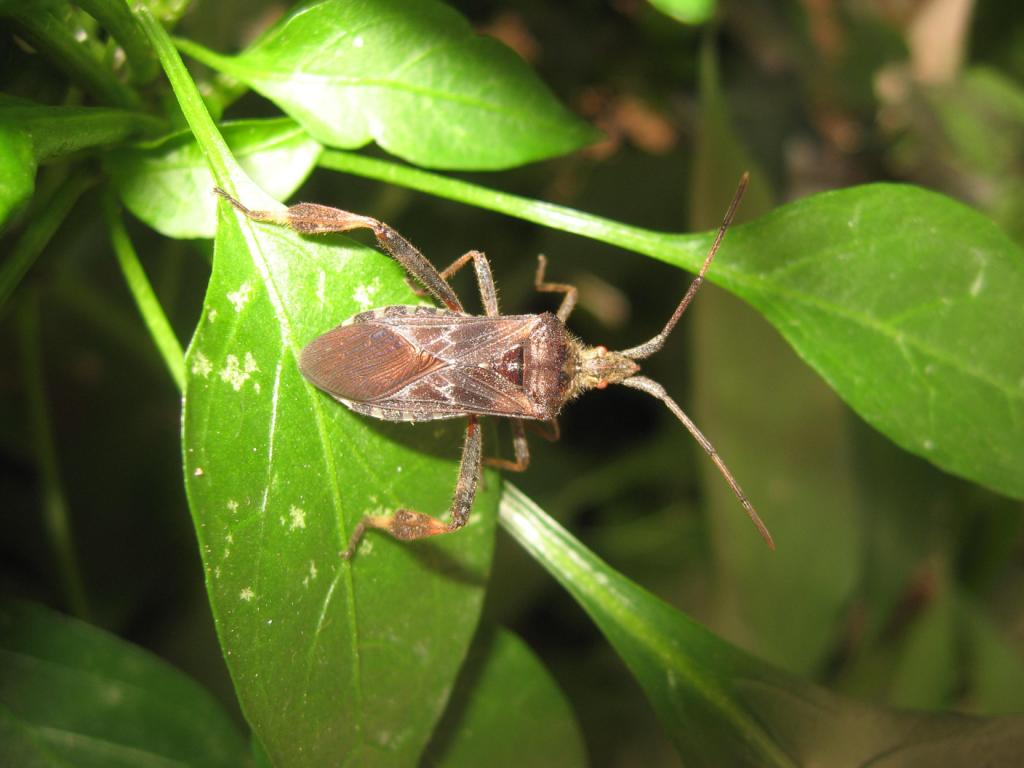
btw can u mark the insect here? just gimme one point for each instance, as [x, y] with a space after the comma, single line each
[419, 363]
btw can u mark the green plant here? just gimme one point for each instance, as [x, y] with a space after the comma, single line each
[903, 300]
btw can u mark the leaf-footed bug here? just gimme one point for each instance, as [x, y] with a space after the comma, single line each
[418, 363]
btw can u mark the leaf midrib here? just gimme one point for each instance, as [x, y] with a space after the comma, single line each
[285, 322]
[254, 76]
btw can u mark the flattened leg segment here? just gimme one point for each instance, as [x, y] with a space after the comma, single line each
[408, 524]
[314, 219]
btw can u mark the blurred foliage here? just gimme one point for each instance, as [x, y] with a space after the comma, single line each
[911, 592]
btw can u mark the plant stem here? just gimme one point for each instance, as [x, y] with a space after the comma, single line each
[222, 164]
[142, 291]
[54, 502]
[48, 217]
[676, 249]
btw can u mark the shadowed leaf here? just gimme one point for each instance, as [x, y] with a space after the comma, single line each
[71, 694]
[722, 706]
[506, 711]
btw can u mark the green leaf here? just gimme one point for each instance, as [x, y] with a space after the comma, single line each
[906, 302]
[506, 710]
[686, 11]
[31, 134]
[278, 474]
[168, 185]
[71, 694]
[412, 76]
[17, 171]
[60, 131]
[723, 707]
[332, 661]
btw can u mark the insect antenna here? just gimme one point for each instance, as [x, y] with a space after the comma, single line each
[648, 348]
[655, 389]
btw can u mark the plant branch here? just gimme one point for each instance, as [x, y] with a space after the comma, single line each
[149, 306]
[44, 224]
[672, 248]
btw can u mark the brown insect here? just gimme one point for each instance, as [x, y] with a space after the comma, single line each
[416, 363]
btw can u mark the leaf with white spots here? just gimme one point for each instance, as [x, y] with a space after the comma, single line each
[363, 653]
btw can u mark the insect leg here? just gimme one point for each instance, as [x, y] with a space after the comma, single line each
[521, 448]
[314, 219]
[548, 430]
[484, 278]
[571, 294]
[408, 524]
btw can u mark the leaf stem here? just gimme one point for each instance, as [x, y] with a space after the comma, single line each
[222, 164]
[48, 217]
[677, 249]
[149, 306]
[54, 502]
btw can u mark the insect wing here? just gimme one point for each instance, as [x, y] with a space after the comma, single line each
[364, 362]
[420, 363]
[483, 371]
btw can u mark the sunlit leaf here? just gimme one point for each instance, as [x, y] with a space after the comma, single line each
[412, 76]
[904, 301]
[686, 11]
[168, 185]
[908, 304]
[364, 653]
[333, 661]
[71, 694]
